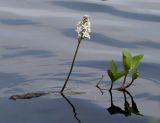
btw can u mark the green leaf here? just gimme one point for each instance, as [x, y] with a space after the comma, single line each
[111, 75]
[113, 67]
[127, 58]
[113, 72]
[120, 74]
[135, 75]
[135, 61]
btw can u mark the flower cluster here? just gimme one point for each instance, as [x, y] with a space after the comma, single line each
[84, 28]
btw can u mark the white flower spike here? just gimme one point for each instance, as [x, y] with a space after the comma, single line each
[84, 28]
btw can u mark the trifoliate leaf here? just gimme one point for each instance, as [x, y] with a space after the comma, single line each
[113, 67]
[135, 61]
[127, 58]
[111, 75]
[113, 72]
[120, 74]
[135, 75]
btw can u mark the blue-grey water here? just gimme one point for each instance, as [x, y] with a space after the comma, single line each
[37, 40]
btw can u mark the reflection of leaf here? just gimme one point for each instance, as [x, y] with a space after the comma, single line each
[115, 110]
[134, 109]
[127, 111]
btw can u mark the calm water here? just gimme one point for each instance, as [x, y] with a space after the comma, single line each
[37, 40]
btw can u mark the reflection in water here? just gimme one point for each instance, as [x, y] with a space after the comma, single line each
[100, 89]
[97, 85]
[72, 106]
[128, 109]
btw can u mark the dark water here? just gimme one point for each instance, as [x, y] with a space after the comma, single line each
[65, 109]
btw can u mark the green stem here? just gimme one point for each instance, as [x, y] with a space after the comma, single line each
[124, 81]
[129, 84]
[70, 71]
[111, 86]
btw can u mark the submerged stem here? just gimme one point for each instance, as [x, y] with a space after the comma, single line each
[70, 71]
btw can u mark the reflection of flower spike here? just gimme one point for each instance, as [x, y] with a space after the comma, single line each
[84, 27]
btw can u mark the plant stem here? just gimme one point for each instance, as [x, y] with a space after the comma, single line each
[70, 71]
[129, 84]
[111, 86]
[124, 81]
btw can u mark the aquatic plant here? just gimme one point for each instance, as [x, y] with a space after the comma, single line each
[83, 30]
[130, 64]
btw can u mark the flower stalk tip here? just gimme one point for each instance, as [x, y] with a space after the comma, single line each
[84, 27]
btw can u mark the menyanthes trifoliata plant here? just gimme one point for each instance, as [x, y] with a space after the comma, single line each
[83, 29]
[130, 65]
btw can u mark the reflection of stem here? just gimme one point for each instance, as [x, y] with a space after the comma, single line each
[125, 98]
[73, 108]
[101, 90]
[99, 81]
[110, 92]
[134, 106]
[98, 85]
[79, 41]
[129, 95]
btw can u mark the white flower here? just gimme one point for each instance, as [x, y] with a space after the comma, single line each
[84, 28]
